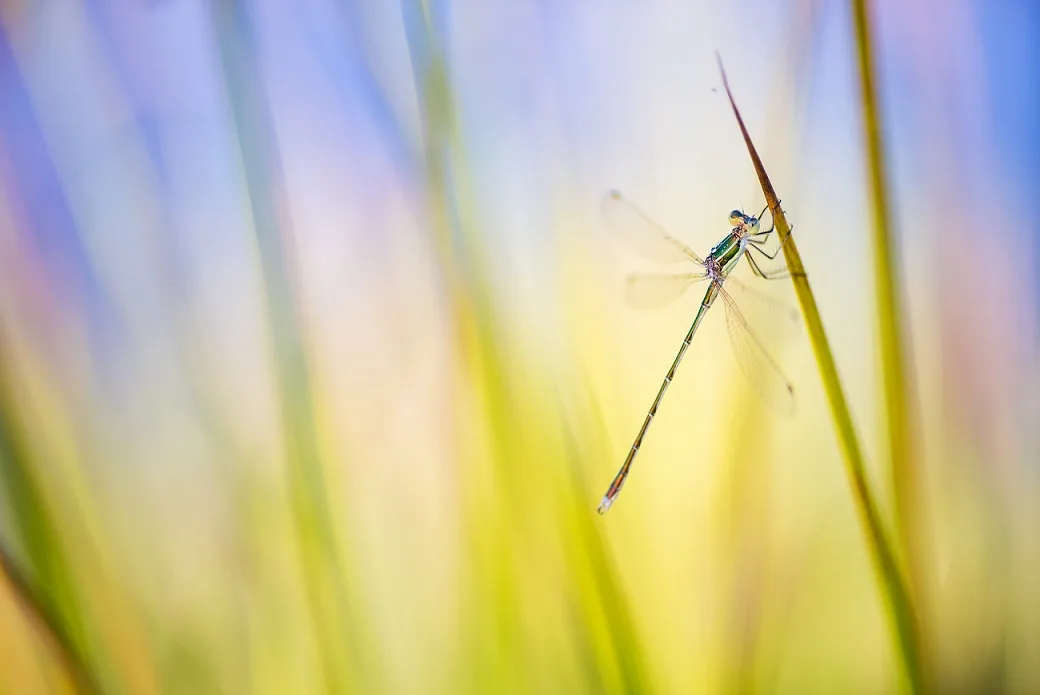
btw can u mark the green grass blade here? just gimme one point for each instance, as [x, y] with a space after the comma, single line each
[904, 470]
[333, 613]
[44, 581]
[46, 617]
[522, 449]
[881, 548]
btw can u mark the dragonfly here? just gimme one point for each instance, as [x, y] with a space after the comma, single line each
[648, 238]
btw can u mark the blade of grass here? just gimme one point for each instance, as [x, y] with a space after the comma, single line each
[497, 645]
[881, 549]
[484, 576]
[905, 476]
[46, 617]
[332, 601]
[47, 591]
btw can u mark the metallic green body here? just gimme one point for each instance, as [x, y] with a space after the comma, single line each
[720, 262]
[727, 252]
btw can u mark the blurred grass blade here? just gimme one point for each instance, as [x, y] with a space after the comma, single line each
[332, 614]
[497, 642]
[45, 615]
[47, 590]
[894, 585]
[905, 476]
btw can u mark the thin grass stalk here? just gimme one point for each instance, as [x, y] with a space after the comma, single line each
[482, 579]
[904, 474]
[46, 593]
[902, 611]
[45, 616]
[486, 362]
[333, 615]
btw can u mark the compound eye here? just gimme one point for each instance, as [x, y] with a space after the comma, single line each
[736, 217]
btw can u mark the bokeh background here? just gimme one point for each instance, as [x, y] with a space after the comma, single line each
[315, 360]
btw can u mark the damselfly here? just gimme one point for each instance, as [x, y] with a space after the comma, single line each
[653, 242]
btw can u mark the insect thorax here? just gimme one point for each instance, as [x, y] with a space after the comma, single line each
[726, 253]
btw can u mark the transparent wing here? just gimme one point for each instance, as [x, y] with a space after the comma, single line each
[775, 315]
[760, 369]
[654, 290]
[643, 234]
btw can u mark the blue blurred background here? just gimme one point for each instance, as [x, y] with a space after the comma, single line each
[315, 360]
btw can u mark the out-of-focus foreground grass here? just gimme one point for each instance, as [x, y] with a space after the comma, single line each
[314, 361]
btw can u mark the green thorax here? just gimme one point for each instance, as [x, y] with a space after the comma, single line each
[727, 252]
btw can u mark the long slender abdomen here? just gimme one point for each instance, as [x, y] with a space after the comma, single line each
[622, 475]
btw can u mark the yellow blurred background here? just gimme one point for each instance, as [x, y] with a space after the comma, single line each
[315, 360]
